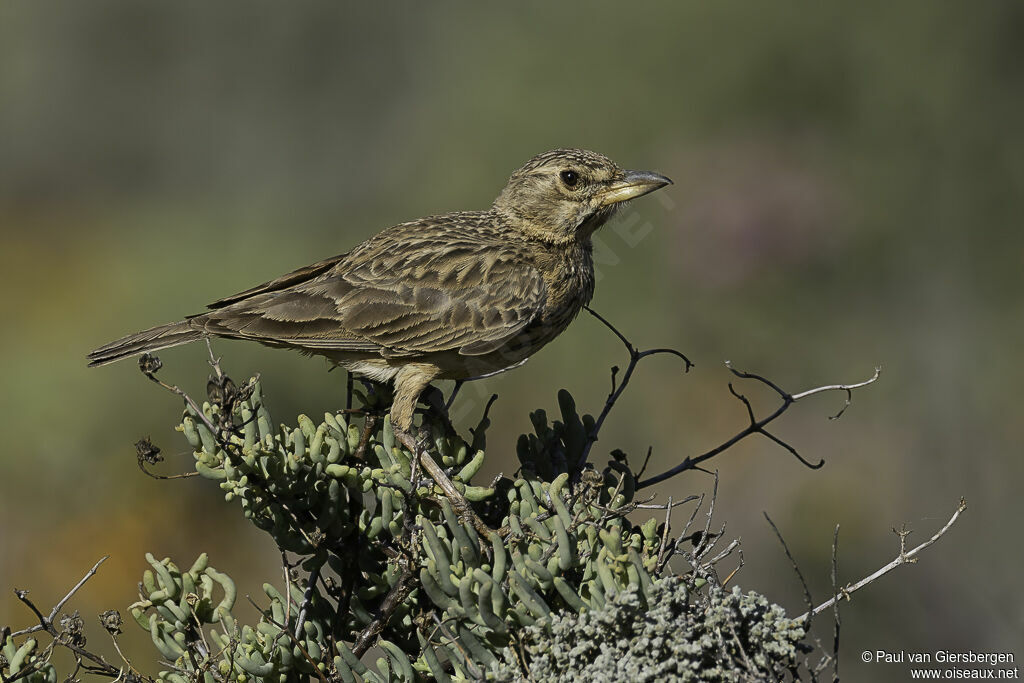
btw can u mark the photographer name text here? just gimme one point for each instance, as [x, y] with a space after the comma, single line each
[937, 657]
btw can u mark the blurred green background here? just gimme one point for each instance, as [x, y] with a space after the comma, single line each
[849, 188]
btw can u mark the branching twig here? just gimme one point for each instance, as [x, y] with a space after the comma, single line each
[46, 623]
[149, 365]
[905, 557]
[758, 426]
[635, 356]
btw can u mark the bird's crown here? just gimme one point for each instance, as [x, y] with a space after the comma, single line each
[572, 157]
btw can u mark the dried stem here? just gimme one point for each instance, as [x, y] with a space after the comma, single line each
[403, 586]
[635, 356]
[904, 557]
[758, 426]
[99, 665]
[835, 605]
[796, 568]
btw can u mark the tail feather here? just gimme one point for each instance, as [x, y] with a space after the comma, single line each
[153, 339]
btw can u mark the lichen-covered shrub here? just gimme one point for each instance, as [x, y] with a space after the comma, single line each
[669, 635]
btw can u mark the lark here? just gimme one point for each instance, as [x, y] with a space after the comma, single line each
[457, 296]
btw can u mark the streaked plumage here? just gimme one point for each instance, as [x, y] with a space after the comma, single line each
[455, 296]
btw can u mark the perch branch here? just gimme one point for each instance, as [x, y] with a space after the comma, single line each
[836, 621]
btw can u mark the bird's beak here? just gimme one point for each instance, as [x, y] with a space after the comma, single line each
[631, 185]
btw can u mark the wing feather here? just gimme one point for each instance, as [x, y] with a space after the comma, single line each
[404, 293]
[287, 280]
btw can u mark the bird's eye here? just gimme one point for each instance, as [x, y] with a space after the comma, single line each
[570, 178]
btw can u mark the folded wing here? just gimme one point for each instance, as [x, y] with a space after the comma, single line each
[393, 299]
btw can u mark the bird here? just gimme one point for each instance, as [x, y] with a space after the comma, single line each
[457, 296]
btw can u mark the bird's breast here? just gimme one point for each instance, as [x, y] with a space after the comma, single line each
[569, 287]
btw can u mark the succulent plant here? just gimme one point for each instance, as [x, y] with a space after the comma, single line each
[389, 562]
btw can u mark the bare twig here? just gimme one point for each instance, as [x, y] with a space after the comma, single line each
[666, 530]
[734, 571]
[401, 589]
[647, 460]
[662, 506]
[703, 545]
[183, 475]
[835, 604]
[725, 552]
[46, 623]
[905, 557]
[796, 568]
[127, 662]
[758, 426]
[307, 597]
[149, 365]
[635, 356]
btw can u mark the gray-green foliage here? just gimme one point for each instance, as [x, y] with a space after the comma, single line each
[723, 636]
[388, 562]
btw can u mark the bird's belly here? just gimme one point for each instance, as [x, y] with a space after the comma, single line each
[378, 370]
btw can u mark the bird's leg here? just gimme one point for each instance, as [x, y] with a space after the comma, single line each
[455, 392]
[375, 396]
[409, 384]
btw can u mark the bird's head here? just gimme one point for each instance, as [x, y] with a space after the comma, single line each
[566, 194]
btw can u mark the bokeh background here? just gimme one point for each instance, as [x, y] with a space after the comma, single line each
[849, 193]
